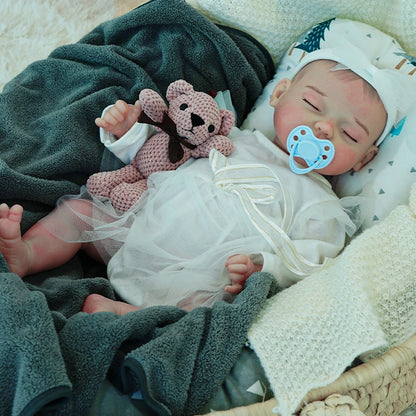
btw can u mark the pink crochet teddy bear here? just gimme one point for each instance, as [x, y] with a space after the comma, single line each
[191, 126]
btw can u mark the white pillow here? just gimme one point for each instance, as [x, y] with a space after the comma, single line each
[385, 181]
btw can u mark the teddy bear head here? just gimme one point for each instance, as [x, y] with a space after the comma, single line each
[196, 115]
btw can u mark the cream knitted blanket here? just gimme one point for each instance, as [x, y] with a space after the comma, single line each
[361, 303]
[277, 23]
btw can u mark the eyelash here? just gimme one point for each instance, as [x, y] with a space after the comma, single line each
[310, 104]
[350, 137]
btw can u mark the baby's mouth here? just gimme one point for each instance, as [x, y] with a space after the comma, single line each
[305, 147]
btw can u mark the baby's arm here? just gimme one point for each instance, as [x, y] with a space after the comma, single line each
[240, 267]
[119, 119]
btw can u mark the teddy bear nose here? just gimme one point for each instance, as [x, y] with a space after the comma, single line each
[196, 120]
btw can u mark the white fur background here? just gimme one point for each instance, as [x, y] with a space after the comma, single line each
[31, 29]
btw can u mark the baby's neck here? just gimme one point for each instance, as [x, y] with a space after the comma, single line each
[279, 144]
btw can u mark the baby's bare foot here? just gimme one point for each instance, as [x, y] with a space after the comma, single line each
[12, 247]
[97, 303]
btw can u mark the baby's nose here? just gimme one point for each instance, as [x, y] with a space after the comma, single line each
[324, 130]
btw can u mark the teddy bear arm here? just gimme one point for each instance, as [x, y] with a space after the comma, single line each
[221, 143]
[153, 104]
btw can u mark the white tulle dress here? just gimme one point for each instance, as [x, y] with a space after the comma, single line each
[171, 247]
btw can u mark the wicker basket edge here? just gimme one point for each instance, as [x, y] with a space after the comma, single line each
[374, 374]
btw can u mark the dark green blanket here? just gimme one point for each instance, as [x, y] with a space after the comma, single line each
[51, 355]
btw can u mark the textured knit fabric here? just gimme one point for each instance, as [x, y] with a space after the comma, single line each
[361, 304]
[275, 23]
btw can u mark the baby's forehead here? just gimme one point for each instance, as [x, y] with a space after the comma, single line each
[316, 67]
[322, 68]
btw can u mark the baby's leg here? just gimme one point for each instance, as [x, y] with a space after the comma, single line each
[37, 250]
[97, 303]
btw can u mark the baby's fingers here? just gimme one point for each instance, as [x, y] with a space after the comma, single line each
[235, 288]
[237, 269]
[114, 116]
[138, 106]
[238, 259]
[100, 122]
[119, 110]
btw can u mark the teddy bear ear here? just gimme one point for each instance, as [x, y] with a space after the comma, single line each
[177, 88]
[227, 123]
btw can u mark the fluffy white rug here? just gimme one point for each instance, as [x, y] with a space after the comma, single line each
[31, 29]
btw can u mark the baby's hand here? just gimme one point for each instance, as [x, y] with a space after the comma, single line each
[240, 267]
[119, 119]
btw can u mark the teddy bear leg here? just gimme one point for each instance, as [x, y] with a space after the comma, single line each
[123, 196]
[102, 183]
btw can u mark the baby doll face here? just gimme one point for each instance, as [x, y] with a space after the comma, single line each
[337, 107]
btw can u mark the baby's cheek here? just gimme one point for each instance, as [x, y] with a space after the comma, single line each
[285, 120]
[344, 160]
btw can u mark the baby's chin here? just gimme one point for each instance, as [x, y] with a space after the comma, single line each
[331, 171]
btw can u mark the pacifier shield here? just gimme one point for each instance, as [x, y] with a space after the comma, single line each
[302, 143]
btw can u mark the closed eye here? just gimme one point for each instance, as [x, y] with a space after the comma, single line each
[349, 136]
[310, 104]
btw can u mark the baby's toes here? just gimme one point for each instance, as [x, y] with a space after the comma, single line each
[4, 210]
[15, 213]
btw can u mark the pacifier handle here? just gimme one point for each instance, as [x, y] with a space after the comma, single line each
[301, 170]
[302, 143]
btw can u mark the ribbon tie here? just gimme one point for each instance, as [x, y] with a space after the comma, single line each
[175, 150]
[257, 184]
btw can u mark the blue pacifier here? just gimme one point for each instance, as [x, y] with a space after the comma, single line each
[317, 153]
